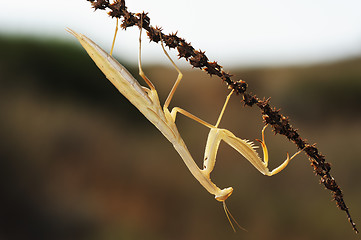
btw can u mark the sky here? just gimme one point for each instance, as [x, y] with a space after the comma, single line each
[234, 33]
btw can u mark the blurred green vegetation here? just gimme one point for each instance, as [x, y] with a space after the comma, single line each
[77, 160]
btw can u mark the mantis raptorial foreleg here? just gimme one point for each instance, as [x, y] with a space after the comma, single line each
[244, 147]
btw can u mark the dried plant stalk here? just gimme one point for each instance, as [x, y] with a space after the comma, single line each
[198, 59]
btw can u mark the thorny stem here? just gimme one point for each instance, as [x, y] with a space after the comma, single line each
[198, 59]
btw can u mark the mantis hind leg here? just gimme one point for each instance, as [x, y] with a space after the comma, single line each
[179, 77]
[115, 36]
[141, 73]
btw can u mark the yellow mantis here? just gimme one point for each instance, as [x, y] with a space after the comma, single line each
[146, 100]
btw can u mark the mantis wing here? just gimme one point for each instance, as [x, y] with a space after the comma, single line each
[117, 74]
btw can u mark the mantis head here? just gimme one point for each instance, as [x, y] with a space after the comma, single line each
[224, 194]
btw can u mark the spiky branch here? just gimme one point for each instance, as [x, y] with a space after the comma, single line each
[198, 59]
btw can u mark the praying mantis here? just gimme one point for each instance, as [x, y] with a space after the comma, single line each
[146, 100]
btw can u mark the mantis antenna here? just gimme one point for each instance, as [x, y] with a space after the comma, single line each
[146, 100]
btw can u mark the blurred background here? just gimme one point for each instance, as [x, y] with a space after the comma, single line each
[78, 161]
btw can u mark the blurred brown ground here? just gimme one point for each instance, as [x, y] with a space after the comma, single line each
[77, 161]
